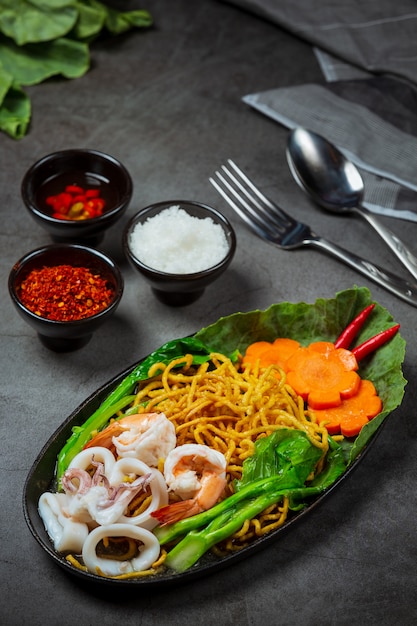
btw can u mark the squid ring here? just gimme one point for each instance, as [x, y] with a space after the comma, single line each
[157, 486]
[102, 455]
[148, 550]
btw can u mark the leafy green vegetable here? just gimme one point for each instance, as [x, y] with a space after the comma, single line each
[44, 38]
[177, 348]
[286, 454]
[323, 321]
[15, 112]
[35, 63]
[279, 467]
[28, 21]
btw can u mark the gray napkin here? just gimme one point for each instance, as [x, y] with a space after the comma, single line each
[334, 68]
[377, 36]
[368, 52]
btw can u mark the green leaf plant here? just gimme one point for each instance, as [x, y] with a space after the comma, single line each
[40, 39]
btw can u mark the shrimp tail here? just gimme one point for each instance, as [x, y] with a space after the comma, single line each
[174, 512]
[104, 438]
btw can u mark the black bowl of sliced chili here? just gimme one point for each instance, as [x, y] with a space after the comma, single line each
[76, 195]
[65, 292]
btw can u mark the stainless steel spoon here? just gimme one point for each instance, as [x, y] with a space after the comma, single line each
[335, 183]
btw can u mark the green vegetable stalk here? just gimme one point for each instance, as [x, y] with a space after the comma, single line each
[291, 458]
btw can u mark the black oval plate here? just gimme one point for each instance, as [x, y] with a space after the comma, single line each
[41, 477]
[42, 474]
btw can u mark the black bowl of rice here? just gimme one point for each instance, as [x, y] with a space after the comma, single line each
[179, 247]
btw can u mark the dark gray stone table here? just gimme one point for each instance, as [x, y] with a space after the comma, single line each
[167, 102]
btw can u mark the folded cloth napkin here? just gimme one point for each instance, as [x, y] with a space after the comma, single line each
[368, 108]
[377, 36]
[334, 68]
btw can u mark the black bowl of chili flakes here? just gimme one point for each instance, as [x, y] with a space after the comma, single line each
[65, 292]
[77, 194]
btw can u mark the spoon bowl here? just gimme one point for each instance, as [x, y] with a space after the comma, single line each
[336, 184]
[323, 172]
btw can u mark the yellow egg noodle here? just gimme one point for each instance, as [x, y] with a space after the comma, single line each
[227, 407]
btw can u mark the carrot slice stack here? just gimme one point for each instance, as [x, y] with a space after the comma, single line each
[323, 375]
[275, 353]
[326, 377]
[353, 413]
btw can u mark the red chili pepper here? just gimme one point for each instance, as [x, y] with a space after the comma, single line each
[80, 197]
[74, 189]
[89, 211]
[76, 203]
[92, 193]
[372, 344]
[61, 202]
[348, 335]
[97, 204]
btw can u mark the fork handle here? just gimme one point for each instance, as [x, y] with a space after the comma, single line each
[403, 289]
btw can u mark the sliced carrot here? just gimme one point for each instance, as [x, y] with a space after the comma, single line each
[353, 413]
[255, 351]
[326, 378]
[322, 374]
[270, 353]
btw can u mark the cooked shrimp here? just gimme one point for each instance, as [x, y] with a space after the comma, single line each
[147, 437]
[195, 473]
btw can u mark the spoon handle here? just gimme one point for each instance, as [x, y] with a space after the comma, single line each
[396, 285]
[397, 246]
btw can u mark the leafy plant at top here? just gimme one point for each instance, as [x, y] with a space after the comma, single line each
[44, 38]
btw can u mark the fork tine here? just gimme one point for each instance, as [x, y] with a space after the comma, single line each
[276, 216]
[250, 184]
[244, 189]
[252, 206]
[260, 208]
[242, 208]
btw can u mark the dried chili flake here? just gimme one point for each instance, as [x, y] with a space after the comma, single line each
[65, 293]
[76, 203]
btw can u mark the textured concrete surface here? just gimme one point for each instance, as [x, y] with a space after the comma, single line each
[167, 102]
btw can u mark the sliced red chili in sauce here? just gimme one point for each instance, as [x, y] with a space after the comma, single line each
[76, 203]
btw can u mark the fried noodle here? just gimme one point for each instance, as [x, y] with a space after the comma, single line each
[228, 407]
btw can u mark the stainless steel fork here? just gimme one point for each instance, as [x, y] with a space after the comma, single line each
[270, 222]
